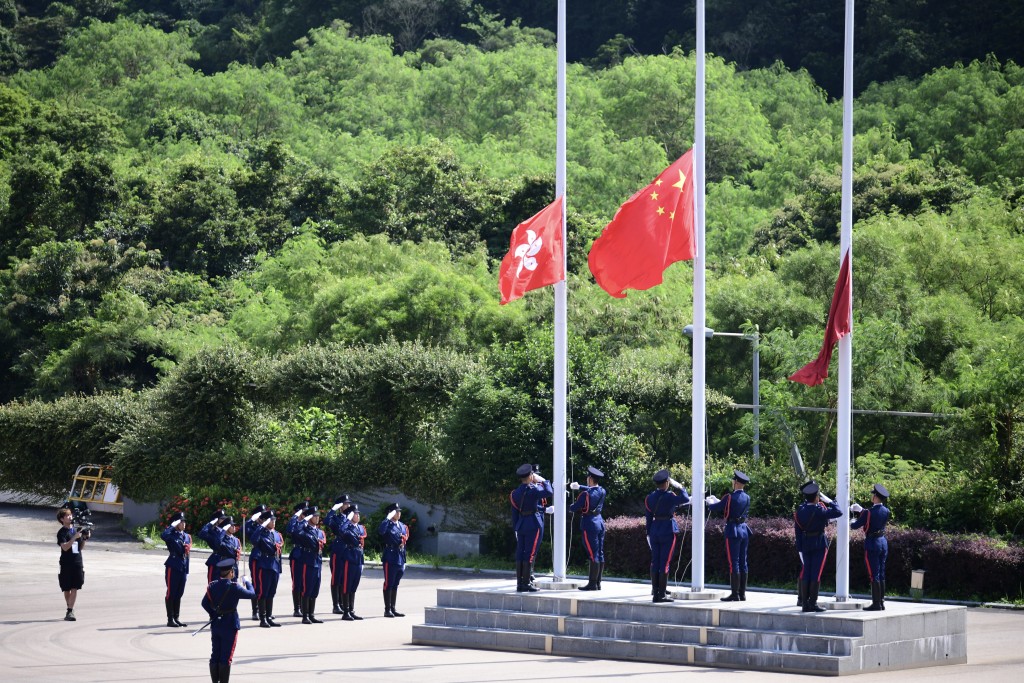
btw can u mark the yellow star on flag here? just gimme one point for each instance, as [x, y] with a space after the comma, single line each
[661, 210]
[682, 181]
[654, 196]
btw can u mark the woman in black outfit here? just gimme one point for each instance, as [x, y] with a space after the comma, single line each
[72, 572]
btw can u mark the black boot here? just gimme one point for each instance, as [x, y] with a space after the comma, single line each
[600, 574]
[215, 672]
[876, 597]
[801, 593]
[176, 607]
[661, 588]
[346, 607]
[352, 607]
[169, 605]
[225, 672]
[387, 604]
[312, 611]
[664, 589]
[811, 602]
[654, 582]
[255, 610]
[296, 603]
[270, 613]
[531, 580]
[734, 586]
[519, 577]
[743, 586]
[592, 580]
[304, 602]
[394, 595]
[336, 607]
[881, 596]
[261, 610]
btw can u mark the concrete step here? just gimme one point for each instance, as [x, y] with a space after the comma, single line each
[741, 638]
[610, 648]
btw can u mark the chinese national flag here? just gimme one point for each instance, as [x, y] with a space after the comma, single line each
[535, 255]
[839, 325]
[650, 232]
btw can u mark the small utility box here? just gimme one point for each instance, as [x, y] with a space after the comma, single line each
[917, 584]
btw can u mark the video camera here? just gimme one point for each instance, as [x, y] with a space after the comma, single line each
[81, 515]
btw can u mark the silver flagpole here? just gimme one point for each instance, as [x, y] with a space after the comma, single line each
[558, 552]
[699, 341]
[844, 412]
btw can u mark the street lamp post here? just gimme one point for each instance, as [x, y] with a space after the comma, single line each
[753, 339]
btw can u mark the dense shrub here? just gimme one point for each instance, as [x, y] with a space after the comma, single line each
[42, 443]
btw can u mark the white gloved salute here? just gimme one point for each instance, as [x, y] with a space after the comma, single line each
[675, 484]
[550, 509]
[574, 486]
[824, 499]
[856, 508]
[336, 506]
[711, 500]
[350, 515]
[255, 516]
[266, 522]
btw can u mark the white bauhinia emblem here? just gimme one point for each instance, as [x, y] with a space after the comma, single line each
[525, 252]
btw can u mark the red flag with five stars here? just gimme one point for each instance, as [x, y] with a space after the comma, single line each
[534, 257]
[650, 232]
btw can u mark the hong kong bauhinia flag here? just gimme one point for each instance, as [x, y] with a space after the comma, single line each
[535, 255]
[650, 232]
[838, 326]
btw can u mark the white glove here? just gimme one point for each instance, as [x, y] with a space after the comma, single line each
[574, 486]
[834, 520]
[337, 506]
[550, 509]
[391, 515]
[711, 500]
[214, 520]
[177, 523]
[255, 516]
[350, 516]
[538, 478]
[824, 499]
[675, 484]
[856, 508]
[267, 522]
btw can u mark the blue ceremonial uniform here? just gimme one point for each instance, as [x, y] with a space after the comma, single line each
[266, 571]
[395, 535]
[734, 507]
[179, 545]
[811, 519]
[662, 528]
[221, 603]
[347, 558]
[528, 503]
[212, 535]
[589, 505]
[312, 540]
[876, 548]
[296, 553]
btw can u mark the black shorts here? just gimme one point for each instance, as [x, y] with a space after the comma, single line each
[71, 577]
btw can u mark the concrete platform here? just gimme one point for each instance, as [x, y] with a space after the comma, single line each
[768, 632]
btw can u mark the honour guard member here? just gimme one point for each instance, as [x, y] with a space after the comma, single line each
[312, 540]
[395, 535]
[529, 501]
[336, 520]
[212, 534]
[662, 528]
[266, 573]
[589, 504]
[224, 545]
[295, 556]
[179, 545]
[350, 557]
[734, 507]
[248, 529]
[876, 548]
[798, 536]
[810, 519]
[221, 603]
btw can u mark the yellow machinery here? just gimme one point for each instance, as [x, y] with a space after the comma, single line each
[93, 487]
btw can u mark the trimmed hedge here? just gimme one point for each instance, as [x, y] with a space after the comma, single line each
[959, 566]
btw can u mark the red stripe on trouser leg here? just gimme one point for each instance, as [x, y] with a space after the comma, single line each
[167, 580]
[586, 542]
[234, 642]
[867, 563]
[728, 555]
[387, 584]
[668, 561]
[344, 578]
[533, 550]
[821, 569]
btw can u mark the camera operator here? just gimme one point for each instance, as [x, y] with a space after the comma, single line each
[72, 571]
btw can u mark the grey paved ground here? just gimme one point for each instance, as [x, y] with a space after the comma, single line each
[120, 636]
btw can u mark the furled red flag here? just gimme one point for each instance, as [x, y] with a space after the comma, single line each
[839, 325]
[650, 232]
[535, 255]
